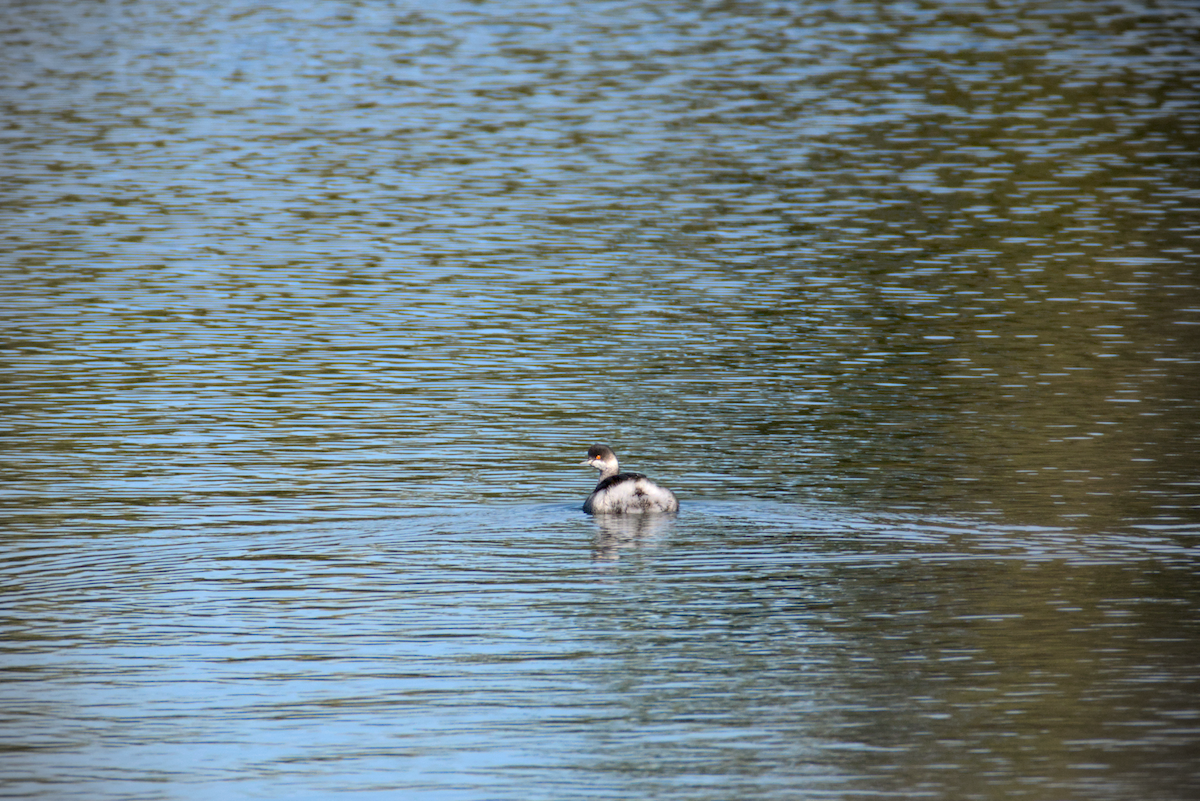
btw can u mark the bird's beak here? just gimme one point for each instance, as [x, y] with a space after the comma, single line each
[587, 463]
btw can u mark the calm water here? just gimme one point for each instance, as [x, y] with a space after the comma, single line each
[311, 310]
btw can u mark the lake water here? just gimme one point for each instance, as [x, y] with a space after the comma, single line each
[312, 309]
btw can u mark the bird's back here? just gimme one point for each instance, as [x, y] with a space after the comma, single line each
[629, 493]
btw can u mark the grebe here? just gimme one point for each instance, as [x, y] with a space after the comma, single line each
[624, 493]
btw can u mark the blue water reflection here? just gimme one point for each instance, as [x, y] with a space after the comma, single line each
[756, 647]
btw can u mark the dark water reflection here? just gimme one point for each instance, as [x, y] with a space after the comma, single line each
[311, 308]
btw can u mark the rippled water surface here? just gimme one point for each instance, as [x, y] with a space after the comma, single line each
[311, 310]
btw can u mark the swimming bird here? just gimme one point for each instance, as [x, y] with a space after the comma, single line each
[623, 493]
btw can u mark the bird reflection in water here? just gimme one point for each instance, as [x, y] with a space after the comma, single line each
[617, 532]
